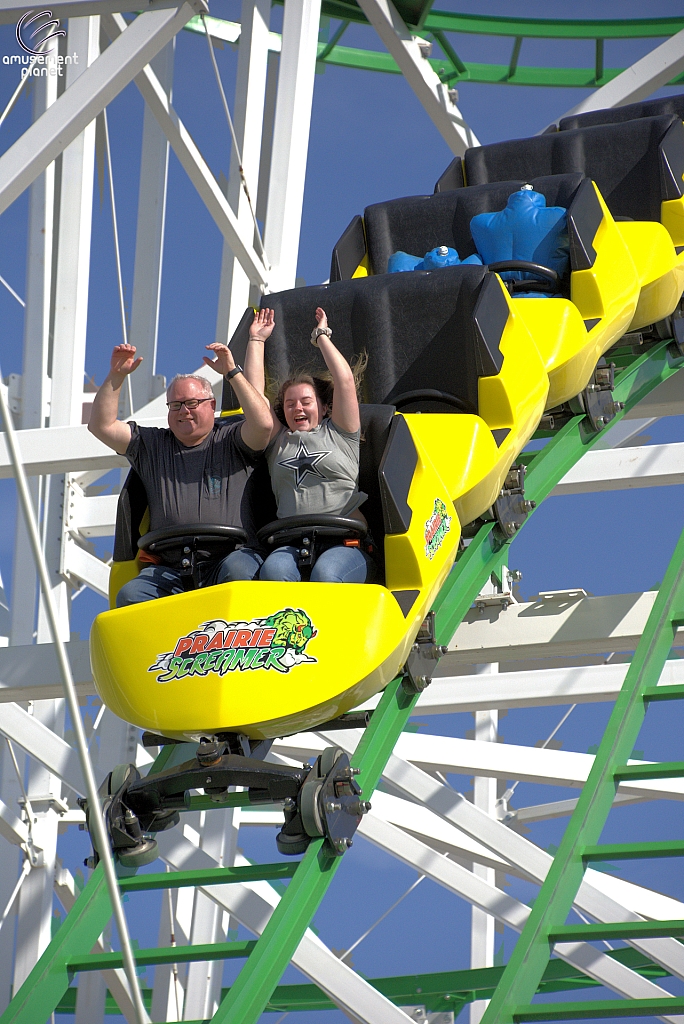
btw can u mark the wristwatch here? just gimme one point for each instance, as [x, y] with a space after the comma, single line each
[232, 373]
[320, 330]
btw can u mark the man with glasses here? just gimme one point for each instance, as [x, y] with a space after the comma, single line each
[196, 471]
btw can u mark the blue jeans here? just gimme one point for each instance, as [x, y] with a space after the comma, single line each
[163, 581]
[337, 564]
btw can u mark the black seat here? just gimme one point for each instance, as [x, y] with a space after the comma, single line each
[616, 115]
[418, 224]
[376, 421]
[637, 164]
[130, 509]
[426, 330]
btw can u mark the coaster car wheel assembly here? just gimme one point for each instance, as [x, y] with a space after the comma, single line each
[319, 802]
[327, 805]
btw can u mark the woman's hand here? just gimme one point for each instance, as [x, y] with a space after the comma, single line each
[262, 325]
[224, 361]
[123, 361]
[321, 317]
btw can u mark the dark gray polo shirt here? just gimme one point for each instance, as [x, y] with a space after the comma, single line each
[202, 484]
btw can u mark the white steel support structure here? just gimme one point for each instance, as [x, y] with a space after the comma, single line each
[482, 933]
[410, 52]
[291, 140]
[66, 371]
[419, 818]
[149, 241]
[250, 96]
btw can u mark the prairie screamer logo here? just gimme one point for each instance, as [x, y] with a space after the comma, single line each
[436, 528]
[276, 642]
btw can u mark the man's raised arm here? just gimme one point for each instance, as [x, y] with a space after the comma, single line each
[256, 429]
[104, 423]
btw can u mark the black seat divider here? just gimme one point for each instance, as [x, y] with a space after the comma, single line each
[636, 164]
[616, 115]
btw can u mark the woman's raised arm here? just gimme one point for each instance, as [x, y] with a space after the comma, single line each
[345, 407]
[259, 333]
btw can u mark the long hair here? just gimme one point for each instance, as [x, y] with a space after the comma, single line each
[321, 382]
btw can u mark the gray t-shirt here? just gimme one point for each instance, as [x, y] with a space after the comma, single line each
[203, 484]
[315, 470]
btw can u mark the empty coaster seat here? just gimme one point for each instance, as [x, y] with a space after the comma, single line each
[418, 224]
[616, 115]
[637, 164]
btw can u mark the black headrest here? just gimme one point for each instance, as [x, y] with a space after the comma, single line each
[421, 330]
[625, 160]
[417, 224]
[130, 509]
[615, 115]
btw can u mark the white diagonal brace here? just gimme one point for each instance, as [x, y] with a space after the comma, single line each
[11, 828]
[252, 905]
[419, 73]
[31, 672]
[511, 912]
[640, 80]
[191, 160]
[591, 898]
[450, 755]
[81, 565]
[620, 469]
[43, 745]
[86, 98]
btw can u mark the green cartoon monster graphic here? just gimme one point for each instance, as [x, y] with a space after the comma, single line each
[293, 629]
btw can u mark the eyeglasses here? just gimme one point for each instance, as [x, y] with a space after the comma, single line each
[189, 403]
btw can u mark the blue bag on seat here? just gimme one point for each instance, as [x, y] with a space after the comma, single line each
[442, 256]
[526, 230]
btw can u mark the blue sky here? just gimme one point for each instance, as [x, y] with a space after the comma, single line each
[370, 141]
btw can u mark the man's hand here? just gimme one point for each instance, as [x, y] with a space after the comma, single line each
[262, 325]
[123, 361]
[224, 361]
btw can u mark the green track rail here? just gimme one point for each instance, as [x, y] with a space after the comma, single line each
[47, 986]
[441, 27]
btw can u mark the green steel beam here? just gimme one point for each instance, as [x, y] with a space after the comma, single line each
[439, 992]
[618, 930]
[553, 28]
[452, 68]
[210, 876]
[633, 851]
[605, 1008]
[554, 902]
[165, 955]
[664, 693]
[659, 770]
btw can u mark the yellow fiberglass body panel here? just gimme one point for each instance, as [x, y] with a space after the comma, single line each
[672, 219]
[271, 658]
[660, 269]
[572, 336]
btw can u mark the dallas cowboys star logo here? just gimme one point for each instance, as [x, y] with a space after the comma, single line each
[304, 462]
